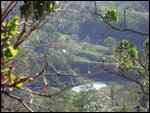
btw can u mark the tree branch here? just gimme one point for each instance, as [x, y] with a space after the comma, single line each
[128, 78]
[117, 28]
[19, 99]
[125, 23]
[6, 12]
[46, 95]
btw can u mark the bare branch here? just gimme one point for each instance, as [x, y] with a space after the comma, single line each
[19, 99]
[125, 23]
[117, 28]
[128, 78]
[11, 109]
[46, 95]
[6, 12]
[11, 67]
[144, 66]
[3, 12]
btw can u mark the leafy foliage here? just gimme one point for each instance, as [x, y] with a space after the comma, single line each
[40, 8]
[10, 30]
[127, 54]
[111, 15]
[129, 60]
[146, 47]
[7, 50]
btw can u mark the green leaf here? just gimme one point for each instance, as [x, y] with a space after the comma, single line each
[19, 85]
[3, 24]
[13, 51]
[133, 53]
[4, 70]
[12, 78]
[51, 6]
[146, 47]
[15, 33]
[111, 15]
[140, 70]
[16, 18]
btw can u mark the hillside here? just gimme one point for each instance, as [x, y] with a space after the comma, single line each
[82, 51]
[75, 56]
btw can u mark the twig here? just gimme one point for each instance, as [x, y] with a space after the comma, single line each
[8, 11]
[19, 99]
[46, 95]
[140, 61]
[128, 78]
[125, 23]
[117, 28]
[9, 109]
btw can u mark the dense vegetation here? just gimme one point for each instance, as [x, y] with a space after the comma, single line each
[48, 47]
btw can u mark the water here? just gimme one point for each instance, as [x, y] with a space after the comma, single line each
[87, 87]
